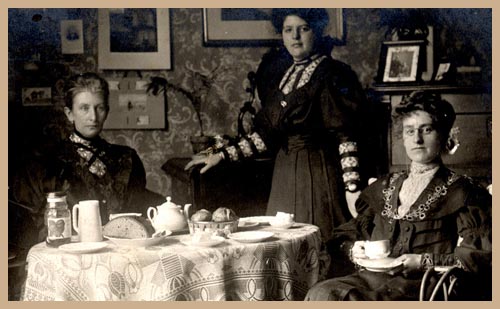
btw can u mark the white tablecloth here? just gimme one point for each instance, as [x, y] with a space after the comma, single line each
[281, 268]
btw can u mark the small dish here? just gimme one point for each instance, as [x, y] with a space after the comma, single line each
[251, 236]
[139, 242]
[380, 265]
[245, 224]
[83, 247]
[258, 219]
[214, 241]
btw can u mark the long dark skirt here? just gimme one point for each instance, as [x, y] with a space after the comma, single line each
[308, 183]
[367, 285]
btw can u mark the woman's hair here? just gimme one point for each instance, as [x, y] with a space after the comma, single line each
[441, 111]
[316, 18]
[85, 82]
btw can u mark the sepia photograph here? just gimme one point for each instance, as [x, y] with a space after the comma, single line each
[402, 63]
[249, 154]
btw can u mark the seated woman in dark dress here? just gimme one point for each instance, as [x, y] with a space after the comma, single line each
[85, 166]
[430, 214]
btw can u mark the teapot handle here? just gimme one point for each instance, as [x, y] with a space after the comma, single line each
[155, 212]
[186, 211]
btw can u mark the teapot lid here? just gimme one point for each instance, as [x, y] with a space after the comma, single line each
[168, 203]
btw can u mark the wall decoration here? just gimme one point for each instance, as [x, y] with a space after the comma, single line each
[72, 36]
[443, 68]
[134, 39]
[37, 96]
[400, 61]
[132, 107]
[252, 26]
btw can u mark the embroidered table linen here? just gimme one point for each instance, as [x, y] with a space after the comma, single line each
[281, 268]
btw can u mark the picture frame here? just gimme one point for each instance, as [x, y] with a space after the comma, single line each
[253, 27]
[442, 70]
[36, 96]
[134, 39]
[401, 61]
[72, 36]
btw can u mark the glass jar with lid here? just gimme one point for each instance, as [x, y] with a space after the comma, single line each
[57, 219]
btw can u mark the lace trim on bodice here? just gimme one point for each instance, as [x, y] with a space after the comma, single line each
[419, 212]
[288, 80]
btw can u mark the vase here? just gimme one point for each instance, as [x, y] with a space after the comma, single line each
[201, 142]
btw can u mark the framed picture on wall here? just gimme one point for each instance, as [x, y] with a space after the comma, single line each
[36, 96]
[253, 27]
[134, 39]
[401, 61]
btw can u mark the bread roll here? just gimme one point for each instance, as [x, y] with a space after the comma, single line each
[128, 227]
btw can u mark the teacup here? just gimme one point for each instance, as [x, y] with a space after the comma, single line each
[377, 249]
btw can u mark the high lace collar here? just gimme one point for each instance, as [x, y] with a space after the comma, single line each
[420, 169]
[306, 60]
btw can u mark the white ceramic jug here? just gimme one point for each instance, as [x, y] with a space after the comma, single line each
[87, 220]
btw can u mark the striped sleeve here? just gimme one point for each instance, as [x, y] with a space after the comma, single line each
[248, 147]
[350, 165]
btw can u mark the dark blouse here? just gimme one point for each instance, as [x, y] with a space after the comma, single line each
[122, 188]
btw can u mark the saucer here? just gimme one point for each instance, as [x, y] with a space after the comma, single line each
[251, 236]
[83, 247]
[379, 265]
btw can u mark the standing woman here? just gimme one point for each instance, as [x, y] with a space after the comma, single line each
[85, 166]
[310, 122]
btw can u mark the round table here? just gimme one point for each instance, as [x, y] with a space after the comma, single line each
[283, 267]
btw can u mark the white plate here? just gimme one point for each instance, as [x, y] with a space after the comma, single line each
[251, 236]
[243, 224]
[138, 242]
[83, 247]
[379, 265]
[214, 241]
[258, 219]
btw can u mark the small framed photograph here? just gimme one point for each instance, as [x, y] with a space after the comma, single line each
[442, 70]
[37, 96]
[72, 36]
[402, 63]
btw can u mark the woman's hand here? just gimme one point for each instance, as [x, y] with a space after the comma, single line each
[411, 262]
[358, 250]
[209, 161]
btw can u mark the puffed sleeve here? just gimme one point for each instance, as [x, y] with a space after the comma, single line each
[475, 227]
[342, 105]
[27, 199]
[359, 228]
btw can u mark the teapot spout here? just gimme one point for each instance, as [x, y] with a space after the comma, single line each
[186, 211]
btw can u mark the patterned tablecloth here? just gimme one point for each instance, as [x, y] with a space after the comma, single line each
[281, 268]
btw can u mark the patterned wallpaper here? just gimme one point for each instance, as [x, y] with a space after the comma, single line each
[221, 106]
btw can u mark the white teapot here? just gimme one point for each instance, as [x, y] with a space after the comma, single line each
[168, 216]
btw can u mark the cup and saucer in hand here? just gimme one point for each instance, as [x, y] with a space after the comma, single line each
[377, 257]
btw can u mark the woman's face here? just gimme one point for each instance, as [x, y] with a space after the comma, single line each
[88, 113]
[298, 37]
[421, 140]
